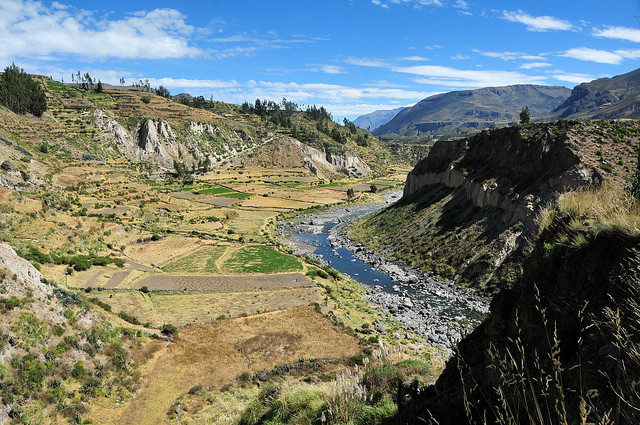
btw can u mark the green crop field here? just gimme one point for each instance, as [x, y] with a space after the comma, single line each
[260, 259]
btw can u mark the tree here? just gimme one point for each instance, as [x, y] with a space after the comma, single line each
[525, 118]
[182, 171]
[163, 91]
[99, 87]
[350, 193]
[21, 93]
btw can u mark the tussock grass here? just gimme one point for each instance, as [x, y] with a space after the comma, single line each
[605, 209]
[588, 213]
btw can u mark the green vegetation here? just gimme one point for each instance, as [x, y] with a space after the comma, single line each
[20, 93]
[260, 259]
[525, 116]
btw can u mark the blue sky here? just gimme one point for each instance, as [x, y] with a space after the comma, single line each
[353, 57]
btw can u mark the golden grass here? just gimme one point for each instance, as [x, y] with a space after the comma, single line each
[214, 355]
[163, 250]
[187, 309]
[605, 209]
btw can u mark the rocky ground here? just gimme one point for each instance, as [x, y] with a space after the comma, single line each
[437, 310]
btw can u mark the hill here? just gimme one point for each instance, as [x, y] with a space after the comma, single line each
[137, 126]
[466, 112]
[604, 98]
[470, 207]
[375, 119]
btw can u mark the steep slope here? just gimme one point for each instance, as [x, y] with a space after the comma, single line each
[466, 112]
[469, 209]
[56, 356]
[605, 98]
[375, 119]
[562, 345]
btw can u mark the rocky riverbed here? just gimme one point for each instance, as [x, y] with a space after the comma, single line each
[437, 310]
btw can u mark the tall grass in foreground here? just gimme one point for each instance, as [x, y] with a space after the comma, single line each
[541, 374]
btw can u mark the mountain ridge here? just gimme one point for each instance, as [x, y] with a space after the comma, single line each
[466, 112]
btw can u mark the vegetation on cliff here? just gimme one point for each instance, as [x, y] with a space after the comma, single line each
[561, 346]
[469, 209]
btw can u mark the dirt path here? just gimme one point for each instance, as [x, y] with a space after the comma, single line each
[214, 355]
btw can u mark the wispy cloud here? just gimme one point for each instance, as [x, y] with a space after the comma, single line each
[327, 69]
[510, 56]
[602, 56]
[414, 59]
[538, 23]
[619, 33]
[451, 77]
[532, 65]
[507, 56]
[35, 30]
[571, 77]
[373, 62]
[414, 3]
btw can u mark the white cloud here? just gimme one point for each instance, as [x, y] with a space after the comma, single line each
[459, 57]
[328, 69]
[30, 29]
[620, 33]
[414, 58]
[572, 77]
[537, 23]
[532, 65]
[593, 55]
[629, 53]
[415, 3]
[376, 63]
[451, 77]
[507, 56]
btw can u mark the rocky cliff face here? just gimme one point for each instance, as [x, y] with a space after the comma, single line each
[505, 170]
[469, 210]
[158, 143]
[283, 151]
[561, 345]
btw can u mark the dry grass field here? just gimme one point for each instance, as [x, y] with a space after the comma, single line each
[215, 354]
[187, 309]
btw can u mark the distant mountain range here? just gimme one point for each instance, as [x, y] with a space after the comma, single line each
[605, 98]
[376, 118]
[465, 112]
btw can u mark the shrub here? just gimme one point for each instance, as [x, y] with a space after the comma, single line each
[78, 370]
[144, 289]
[170, 330]
[30, 330]
[129, 318]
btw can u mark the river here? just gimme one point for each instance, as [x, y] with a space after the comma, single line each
[435, 309]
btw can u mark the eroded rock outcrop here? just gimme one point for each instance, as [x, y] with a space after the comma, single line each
[505, 170]
[469, 210]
